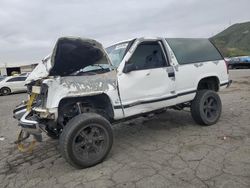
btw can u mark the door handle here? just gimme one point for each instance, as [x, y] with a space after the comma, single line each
[148, 74]
[170, 71]
[171, 74]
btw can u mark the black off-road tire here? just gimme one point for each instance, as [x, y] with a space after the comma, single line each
[206, 107]
[5, 91]
[75, 140]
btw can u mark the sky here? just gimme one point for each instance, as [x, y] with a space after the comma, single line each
[30, 28]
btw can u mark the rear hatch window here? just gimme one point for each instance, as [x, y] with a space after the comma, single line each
[188, 50]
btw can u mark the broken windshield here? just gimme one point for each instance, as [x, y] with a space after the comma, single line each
[117, 52]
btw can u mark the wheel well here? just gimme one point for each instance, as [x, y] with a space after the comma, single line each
[72, 106]
[5, 88]
[211, 83]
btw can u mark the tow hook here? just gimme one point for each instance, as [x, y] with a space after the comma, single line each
[24, 146]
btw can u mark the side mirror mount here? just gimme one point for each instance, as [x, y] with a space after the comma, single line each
[128, 67]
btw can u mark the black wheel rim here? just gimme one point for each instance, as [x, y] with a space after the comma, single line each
[90, 143]
[210, 108]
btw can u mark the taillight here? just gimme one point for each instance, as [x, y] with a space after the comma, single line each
[226, 66]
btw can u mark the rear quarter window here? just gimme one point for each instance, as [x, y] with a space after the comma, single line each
[193, 50]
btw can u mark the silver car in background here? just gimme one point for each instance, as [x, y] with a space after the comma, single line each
[12, 84]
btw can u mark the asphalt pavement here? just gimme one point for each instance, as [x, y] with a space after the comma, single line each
[167, 150]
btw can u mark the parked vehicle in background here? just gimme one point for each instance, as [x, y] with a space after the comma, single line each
[78, 92]
[239, 62]
[12, 84]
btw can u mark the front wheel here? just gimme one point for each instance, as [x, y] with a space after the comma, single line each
[206, 107]
[86, 140]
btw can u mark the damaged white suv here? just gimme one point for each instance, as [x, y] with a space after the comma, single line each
[81, 89]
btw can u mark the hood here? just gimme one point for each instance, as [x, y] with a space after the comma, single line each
[41, 70]
[72, 54]
[69, 55]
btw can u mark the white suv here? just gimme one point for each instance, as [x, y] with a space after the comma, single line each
[12, 84]
[81, 89]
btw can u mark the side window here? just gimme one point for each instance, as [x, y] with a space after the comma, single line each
[148, 55]
[193, 50]
[16, 79]
[22, 79]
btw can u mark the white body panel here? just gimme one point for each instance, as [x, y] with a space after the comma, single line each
[138, 88]
[150, 85]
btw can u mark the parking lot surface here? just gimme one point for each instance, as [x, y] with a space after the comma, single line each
[166, 150]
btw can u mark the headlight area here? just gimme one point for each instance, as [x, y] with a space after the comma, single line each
[41, 100]
[41, 92]
[43, 95]
[37, 102]
[43, 113]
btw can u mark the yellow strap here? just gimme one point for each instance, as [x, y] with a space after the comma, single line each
[31, 145]
[21, 146]
[30, 102]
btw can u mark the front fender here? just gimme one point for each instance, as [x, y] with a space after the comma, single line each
[78, 86]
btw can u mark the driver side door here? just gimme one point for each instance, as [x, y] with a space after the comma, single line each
[147, 82]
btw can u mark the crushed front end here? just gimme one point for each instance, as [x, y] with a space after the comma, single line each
[76, 67]
[31, 114]
[28, 119]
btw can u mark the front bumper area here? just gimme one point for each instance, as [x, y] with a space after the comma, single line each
[19, 111]
[28, 122]
[29, 125]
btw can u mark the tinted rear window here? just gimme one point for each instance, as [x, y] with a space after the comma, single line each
[193, 50]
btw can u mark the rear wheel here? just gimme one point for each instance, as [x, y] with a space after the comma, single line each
[86, 140]
[206, 107]
[5, 91]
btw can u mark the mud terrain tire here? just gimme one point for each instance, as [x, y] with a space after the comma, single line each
[86, 140]
[206, 107]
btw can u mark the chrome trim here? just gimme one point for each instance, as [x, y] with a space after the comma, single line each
[19, 114]
[30, 126]
[25, 121]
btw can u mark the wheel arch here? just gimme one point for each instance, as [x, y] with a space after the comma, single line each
[209, 82]
[101, 101]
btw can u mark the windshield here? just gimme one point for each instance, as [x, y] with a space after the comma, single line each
[117, 52]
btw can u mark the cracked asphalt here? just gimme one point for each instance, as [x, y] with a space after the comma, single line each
[166, 150]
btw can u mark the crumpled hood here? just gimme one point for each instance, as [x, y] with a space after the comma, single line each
[41, 71]
[72, 54]
[69, 55]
